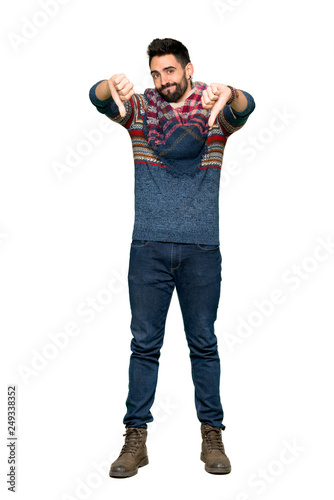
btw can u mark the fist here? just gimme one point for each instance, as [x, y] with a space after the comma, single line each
[214, 97]
[121, 90]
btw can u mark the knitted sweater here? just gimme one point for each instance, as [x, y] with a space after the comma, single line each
[172, 208]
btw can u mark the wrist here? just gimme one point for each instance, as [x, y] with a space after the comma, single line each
[234, 94]
[103, 91]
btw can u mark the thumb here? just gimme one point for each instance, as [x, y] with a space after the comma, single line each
[212, 117]
[217, 107]
[116, 98]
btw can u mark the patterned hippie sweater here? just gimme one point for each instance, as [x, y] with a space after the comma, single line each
[177, 163]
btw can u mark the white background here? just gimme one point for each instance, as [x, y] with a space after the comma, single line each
[64, 239]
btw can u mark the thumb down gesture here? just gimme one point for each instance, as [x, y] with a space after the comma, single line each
[121, 90]
[214, 97]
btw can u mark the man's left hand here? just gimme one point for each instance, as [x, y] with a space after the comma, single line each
[215, 97]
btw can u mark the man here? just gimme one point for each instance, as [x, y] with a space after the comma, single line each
[178, 131]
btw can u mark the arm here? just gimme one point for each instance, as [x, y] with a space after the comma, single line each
[231, 118]
[215, 98]
[102, 91]
[113, 98]
[239, 103]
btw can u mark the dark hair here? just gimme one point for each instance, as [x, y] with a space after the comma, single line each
[163, 46]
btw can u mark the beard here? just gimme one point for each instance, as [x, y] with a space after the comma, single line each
[176, 90]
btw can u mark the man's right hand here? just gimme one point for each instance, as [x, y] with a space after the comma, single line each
[121, 90]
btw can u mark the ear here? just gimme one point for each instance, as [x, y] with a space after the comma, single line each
[189, 70]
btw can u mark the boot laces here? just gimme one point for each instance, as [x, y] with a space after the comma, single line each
[133, 439]
[213, 438]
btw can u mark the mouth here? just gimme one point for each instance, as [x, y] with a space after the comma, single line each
[166, 89]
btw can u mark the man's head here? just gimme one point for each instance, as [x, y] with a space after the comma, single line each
[171, 68]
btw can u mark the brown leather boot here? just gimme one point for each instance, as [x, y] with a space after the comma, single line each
[133, 454]
[213, 453]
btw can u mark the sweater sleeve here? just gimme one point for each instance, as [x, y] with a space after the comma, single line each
[109, 108]
[231, 120]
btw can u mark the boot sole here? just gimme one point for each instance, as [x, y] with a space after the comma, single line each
[131, 472]
[215, 470]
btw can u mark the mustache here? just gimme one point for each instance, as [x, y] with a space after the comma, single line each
[167, 86]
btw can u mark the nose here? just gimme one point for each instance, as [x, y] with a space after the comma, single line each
[164, 79]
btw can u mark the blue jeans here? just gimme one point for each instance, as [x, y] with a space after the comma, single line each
[155, 269]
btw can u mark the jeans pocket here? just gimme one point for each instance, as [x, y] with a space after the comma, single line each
[139, 243]
[208, 248]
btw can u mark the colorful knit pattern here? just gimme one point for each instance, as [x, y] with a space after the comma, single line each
[225, 124]
[177, 136]
[176, 180]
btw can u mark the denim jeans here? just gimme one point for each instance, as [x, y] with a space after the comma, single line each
[155, 269]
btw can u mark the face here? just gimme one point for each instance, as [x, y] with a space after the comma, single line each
[170, 79]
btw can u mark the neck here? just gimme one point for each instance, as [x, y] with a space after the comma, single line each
[183, 98]
[185, 95]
